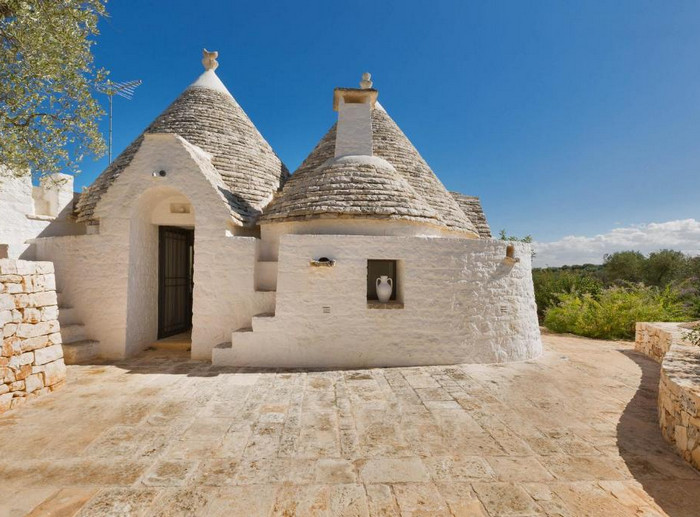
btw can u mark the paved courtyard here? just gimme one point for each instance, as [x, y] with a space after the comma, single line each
[573, 433]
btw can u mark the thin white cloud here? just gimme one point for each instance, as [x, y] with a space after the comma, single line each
[682, 235]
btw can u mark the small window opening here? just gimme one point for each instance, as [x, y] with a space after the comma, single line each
[510, 251]
[179, 208]
[322, 262]
[378, 269]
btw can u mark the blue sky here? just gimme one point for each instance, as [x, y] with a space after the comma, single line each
[566, 118]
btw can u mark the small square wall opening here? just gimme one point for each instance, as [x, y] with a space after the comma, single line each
[379, 268]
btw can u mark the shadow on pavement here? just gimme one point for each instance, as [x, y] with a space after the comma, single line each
[665, 476]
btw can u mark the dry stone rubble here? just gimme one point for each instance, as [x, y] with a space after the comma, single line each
[679, 387]
[31, 357]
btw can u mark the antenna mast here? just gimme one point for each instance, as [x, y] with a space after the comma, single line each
[110, 89]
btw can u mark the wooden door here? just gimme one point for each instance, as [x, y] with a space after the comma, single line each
[175, 261]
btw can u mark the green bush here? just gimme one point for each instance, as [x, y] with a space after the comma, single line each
[693, 336]
[551, 284]
[613, 312]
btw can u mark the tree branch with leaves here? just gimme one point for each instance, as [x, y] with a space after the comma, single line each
[48, 113]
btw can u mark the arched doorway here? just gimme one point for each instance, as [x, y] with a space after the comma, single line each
[161, 268]
[175, 280]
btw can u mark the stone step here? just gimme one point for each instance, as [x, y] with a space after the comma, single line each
[248, 349]
[67, 316]
[219, 352]
[266, 275]
[263, 321]
[243, 336]
[80, 351]
[267, 250]
[265, 301]
[73, 333]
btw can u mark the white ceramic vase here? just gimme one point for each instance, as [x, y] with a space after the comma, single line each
[384, 287]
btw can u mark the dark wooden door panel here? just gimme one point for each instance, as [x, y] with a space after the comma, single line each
[175, 280]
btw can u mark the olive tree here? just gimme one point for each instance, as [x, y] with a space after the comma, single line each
[48, 112]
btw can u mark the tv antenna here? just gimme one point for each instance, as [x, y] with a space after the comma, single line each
[110, 89]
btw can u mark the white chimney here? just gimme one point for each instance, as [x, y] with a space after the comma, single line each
[354, 107]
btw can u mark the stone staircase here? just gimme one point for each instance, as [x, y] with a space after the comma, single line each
[263, 320]
[266, 275]
[77, 348]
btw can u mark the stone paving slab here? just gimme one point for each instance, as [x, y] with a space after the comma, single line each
[572, 433]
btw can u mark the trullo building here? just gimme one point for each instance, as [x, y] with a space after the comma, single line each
[198, 227]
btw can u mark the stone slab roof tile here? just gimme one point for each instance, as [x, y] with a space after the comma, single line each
[391, 144]
[350, 186]
[471, 206]
[211, 119]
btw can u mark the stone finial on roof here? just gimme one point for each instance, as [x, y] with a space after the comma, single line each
[366, 82]
[207, 116]
[209, 59]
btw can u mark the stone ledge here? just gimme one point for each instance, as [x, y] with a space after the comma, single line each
[374, 304]
[679, 386]
[39, 217]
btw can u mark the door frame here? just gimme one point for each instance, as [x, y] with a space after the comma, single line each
[189, 233]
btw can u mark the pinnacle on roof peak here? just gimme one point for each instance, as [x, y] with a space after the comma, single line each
[209, 59]
[366, 82]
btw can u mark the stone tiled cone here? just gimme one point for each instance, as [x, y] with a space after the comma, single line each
[389, 143]
[471, 206]
[347, 189]
[213, 121]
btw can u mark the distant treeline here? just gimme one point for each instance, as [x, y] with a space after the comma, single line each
[605, 301]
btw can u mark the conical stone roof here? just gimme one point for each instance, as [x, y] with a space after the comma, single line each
[208, 116]
[471, 206]
[391, 144]
[349, 186]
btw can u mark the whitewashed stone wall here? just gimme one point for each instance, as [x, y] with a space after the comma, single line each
[354, 133]
[462, 304]
[91, 274]
[27, 212]
[31, 357]
[271, 233]
[111, 278]
[679, 386]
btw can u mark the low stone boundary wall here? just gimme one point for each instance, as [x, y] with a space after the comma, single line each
[655, 339]
[679, 387]
[31, 356]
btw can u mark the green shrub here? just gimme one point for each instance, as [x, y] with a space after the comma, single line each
[693, 335]
[551, 284]
[613, 312]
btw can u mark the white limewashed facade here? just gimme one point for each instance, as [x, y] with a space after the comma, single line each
[198, 227]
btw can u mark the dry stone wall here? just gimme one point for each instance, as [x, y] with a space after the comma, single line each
[679, 387]
[31, 357]
[655, 339]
